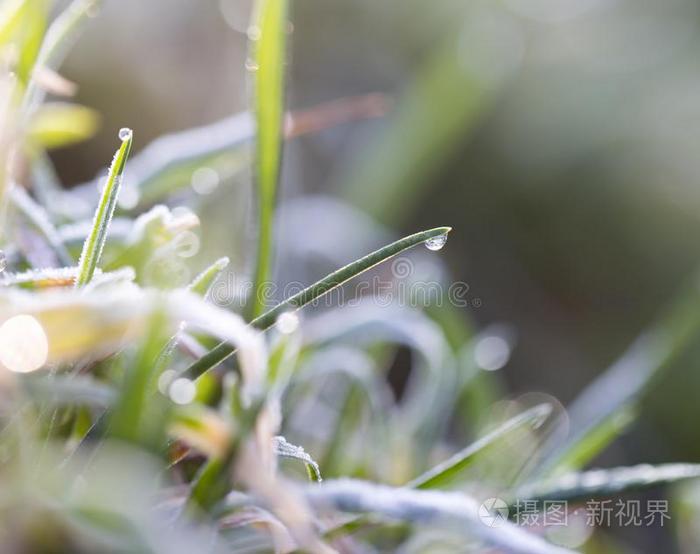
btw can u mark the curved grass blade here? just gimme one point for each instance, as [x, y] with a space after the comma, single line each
[593, 442]
[95, 241]
[437, 508]
[624, 384]
[268, 44]
[608, 482]
[286, 449]
[449, 470]
[315, 291]
[204, 281]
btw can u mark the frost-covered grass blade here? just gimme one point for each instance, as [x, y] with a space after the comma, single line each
[95, 241]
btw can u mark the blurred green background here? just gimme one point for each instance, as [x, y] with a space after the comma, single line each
[558, 137]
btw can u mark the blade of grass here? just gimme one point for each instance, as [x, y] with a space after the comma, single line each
[285, 449]
[203, 282]
[268, 43]
[37, 216]
[608, 482]
[624, 384]
[445, 473]
[436, 508]
[59, 38]
[139, 416]
[448, 471]
[165, 166]
[315, 291]
[95, 241]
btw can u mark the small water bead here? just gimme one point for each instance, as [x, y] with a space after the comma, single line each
[436, 243]
[3, 261]
[287, 323]
[125, 133]
[251, 65]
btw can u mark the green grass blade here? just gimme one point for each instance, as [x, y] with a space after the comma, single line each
[449, 470]
[608, 482]
[626, 383]
[139, 415]
[444, 104]
[315, 291]
[203, 282]
[268, 37]
[95, 241]
[592, 443]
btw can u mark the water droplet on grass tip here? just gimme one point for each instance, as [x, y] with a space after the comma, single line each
[125, 133]
[436, 243]
[251, 65]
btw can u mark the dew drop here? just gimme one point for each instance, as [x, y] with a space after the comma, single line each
[3, 261]
[125, 133]
[287, 323]
[24, 346]
[182, 391]
[436, 243]
[251, 65]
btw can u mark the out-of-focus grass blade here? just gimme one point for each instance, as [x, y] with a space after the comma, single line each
[444, 103]
[95, 241]
[317, 290]
[626, 382]
[268, 35]
[593, 443]
[38, 217]
[608, 482]
[69, 390]
[31, 29]
[61, 124]
[135, 416]
[204, 281]
[59, 38]
[439, 509]
[11, 13]
[167, 164]
[449, 470]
